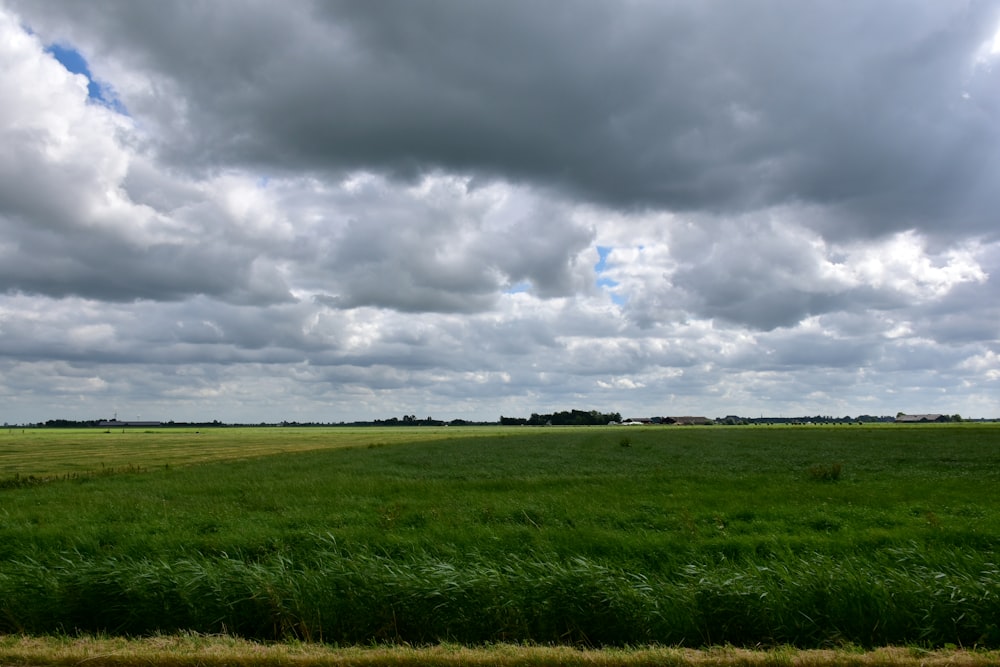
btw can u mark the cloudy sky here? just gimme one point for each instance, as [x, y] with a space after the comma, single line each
[262, 211]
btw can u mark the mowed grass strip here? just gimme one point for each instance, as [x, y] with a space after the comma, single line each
[693, 536]
[47, 452]
[218, 651]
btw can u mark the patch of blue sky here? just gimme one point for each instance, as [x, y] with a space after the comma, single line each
[519, 287]
[75, 63]
[602, 258]
[607, 284]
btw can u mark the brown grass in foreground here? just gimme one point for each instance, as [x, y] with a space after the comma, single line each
[216, 651]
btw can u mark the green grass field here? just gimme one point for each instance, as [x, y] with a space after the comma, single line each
[687, 536]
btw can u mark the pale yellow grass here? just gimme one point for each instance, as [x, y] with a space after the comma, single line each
[56, 452]
[216, 651]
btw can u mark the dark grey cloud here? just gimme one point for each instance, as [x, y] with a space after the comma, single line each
[104, 267]
[759, 278]
[447, 248]
[880, 113]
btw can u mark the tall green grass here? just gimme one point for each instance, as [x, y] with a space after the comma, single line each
[903, 595]
[688, 536]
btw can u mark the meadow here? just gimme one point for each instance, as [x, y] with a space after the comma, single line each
[630, 536]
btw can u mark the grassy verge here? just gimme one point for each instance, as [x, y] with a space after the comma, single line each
[219, 651]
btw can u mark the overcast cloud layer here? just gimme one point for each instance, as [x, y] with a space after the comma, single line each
[323, 211]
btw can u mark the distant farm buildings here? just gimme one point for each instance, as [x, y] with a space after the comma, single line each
[669, 421]
[688, 421]
[920, 419]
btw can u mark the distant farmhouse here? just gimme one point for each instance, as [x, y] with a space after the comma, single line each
[920, 419]
[688, 421]
[638, 421]
[669, 421]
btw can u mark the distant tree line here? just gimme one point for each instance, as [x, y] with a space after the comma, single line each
[564, 418]
[405, 420]
[69, 423]
[409, 420]
[88, 423]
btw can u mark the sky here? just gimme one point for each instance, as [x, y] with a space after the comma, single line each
[334, 211]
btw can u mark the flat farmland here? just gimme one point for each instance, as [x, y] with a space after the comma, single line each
[602, 536]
